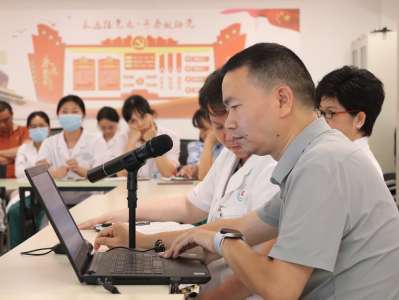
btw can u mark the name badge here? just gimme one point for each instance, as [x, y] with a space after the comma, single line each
[241, 195]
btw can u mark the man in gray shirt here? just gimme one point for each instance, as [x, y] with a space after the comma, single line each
[335, 224]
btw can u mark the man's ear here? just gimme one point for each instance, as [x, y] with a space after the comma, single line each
[285, 99]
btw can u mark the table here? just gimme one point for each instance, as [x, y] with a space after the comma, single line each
[24, 186]
[13, 184]
[52, 277]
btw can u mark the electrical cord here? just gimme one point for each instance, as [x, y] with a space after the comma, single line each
[111, 288]
[159, 246]
[32, 252]
[126, 248]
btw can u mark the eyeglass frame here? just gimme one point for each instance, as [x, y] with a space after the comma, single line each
[328, 115]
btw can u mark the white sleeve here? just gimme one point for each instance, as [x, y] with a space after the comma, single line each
[21, 161]
[45, 151]
[202, 195]
[101, 154]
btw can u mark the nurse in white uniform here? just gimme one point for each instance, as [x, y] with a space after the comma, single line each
[142, 127]
[70, 153]
[38, 124]
[350, 99]
[114, 137]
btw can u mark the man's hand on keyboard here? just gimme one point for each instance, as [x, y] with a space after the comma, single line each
[116, 235]
[192, 239]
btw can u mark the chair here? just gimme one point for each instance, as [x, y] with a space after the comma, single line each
[54, 131]
[184, 151]
[3, 231]
[3, 196]
[390, 181]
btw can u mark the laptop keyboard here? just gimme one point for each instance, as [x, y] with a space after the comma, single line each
[137, 263]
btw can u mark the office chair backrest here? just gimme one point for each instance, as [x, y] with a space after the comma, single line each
[390, 181]
[184, 151]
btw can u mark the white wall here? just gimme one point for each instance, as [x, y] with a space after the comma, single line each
[327, 27]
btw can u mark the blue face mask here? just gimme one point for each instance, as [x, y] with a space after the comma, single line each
[70, 122]
[38, 134]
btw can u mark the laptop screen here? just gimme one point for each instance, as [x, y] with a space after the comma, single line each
[60, 218]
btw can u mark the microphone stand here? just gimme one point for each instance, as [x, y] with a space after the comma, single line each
[132, 203]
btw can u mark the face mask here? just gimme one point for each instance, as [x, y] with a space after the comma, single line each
[38, 134]
[70, 122]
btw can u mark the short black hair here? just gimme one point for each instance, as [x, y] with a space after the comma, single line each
[108, 113]
[5, 106]
[199, 118]
[271, 63]
[356, 90]
[136, 103]
[72, 98]
[40, 114]
[210, 94]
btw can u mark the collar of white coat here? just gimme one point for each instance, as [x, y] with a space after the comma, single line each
[82, 141]
[363, 141]
[31, 146]
[119, 134]
[237, 178]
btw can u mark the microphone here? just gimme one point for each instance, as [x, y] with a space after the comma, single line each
[134, 159]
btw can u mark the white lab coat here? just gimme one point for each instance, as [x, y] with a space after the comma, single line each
[113, 148]
[54, 149]
[150, 169]
[364, 145]
[27, 156]
[227, 195]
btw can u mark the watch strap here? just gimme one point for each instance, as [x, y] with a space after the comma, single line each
[217, 242]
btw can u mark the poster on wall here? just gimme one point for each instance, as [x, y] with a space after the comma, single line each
[105, 56]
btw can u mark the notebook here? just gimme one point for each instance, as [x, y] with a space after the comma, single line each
[118, 266]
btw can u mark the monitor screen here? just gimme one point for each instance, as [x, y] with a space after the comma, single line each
[61, 219]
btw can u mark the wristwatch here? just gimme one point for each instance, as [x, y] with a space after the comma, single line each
[225, 233]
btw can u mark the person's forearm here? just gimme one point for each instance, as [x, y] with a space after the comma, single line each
[58, 173]
[82, 172]
[267, 277]
[132, 142]
[177, 209]
[245, 224]
[167, 237]
[166, 167]
[121, 215]
[231, 288]
[250, 267]
[9, 153]
[206, 160]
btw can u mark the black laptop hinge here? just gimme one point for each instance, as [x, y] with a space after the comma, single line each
[86, 265]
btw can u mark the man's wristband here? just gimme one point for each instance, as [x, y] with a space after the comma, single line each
[225, 233]
[217, 242]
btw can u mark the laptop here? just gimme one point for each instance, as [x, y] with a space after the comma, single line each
[117, 266]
